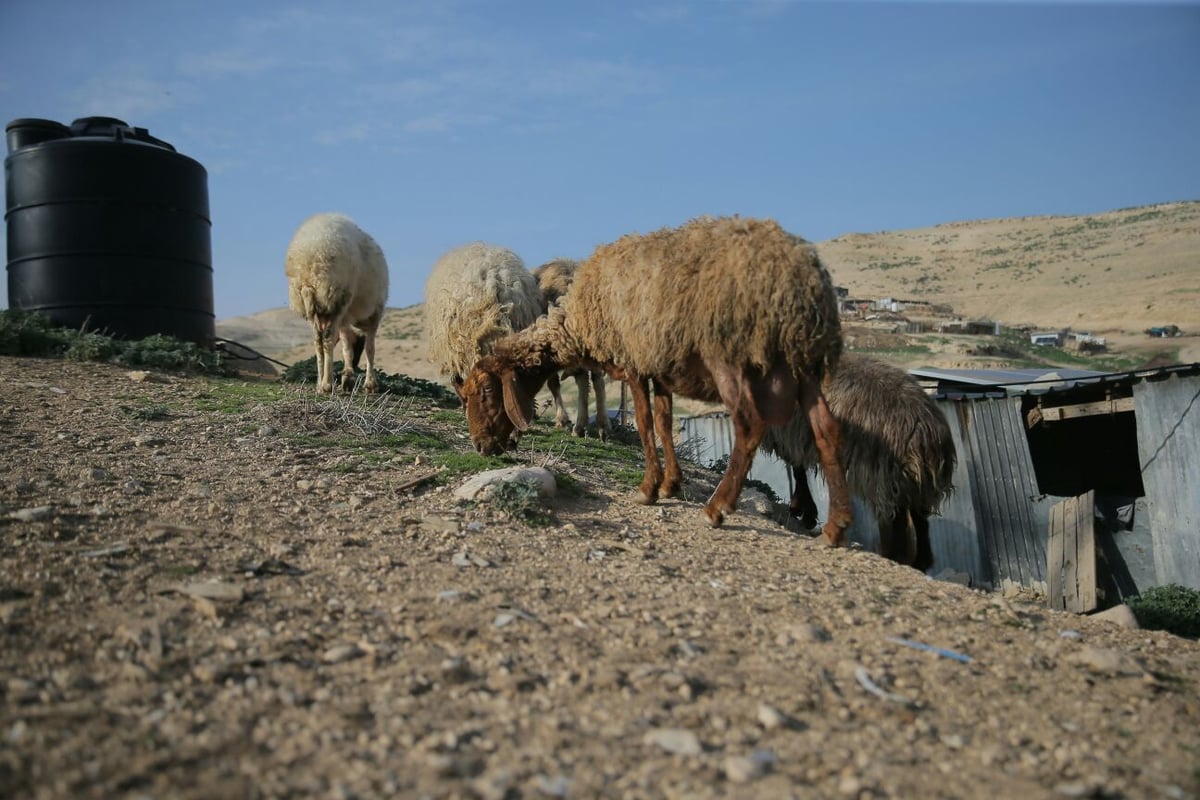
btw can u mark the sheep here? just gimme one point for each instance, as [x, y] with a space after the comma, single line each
[897, 451]
[731, 309]
[338, 281]
[554, 279]
[476, 294]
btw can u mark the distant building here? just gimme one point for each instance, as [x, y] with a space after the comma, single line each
[1045, 339]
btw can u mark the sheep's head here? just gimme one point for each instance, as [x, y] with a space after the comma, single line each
[499, 402]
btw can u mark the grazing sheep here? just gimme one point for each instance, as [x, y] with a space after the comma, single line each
[728, 309]
[896, 449]
[475, 295]
[554, 279]
[338, 281]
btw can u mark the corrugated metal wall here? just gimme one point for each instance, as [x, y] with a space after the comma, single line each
[1168, 431]
[1010, 514]
[994, 525]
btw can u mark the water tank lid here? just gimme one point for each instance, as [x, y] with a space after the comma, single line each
[116, 129]
[34, 122]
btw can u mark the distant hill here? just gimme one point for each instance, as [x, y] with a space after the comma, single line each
[1123, 270]
[1113, 274]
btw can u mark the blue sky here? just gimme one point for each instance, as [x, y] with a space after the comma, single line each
[551, 127]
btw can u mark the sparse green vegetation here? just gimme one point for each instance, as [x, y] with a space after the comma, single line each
[24, 333]
[521, 500]
[1172, 608]
[306, 372]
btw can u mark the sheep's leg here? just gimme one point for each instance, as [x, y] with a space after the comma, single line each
[323, 344]
[664, 411]
[923, 559]
[370, 383]
[554, 384]
[742, 397]
[827, 434]
[348, 339]
[581, 404]
[639, 387]
[603, 427]
[802, 505]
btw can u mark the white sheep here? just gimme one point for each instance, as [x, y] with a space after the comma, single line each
[554, 279]
[338, 281]
[475, 295]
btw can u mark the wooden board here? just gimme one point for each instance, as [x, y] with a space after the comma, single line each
[1071, 555]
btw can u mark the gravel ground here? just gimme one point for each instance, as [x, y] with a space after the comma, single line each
[200, 597]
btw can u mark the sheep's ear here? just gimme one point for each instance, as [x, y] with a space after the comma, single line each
[516, 404]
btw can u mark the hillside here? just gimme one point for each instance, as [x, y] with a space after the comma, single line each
[1121, 271]
[1113, 274]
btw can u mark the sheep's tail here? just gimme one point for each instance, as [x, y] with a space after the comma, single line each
[309, 301]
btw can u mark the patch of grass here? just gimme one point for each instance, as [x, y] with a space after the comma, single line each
[1172, 608]
[235, 397]
[148, 413]
[521, 499]
[402, 385]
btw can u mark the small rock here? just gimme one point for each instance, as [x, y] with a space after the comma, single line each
[342, 653]
[771, 718]
[557, 786]
[31, 514]
[148, 441]
[1102, 661]
[465, 559]
[214, 590]
[677, 741]
[742, 769]
[95, 474]
[1121, 615]
[439, 524]
[138, 375]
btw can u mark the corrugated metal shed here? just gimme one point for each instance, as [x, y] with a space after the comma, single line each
[1168, 422]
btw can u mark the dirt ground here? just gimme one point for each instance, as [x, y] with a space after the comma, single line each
[199, 600]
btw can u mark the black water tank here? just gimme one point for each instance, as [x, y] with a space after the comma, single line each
[108, 229]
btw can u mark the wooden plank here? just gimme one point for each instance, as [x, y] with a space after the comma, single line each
[1054, 559]
[1060, 413]
[1070, 565]
[1085, 559]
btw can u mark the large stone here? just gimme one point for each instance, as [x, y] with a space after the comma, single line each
[482, 485]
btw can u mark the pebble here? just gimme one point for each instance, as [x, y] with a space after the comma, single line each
[676, 741]
[31, 514]
[743, 769]
[342, 653]
[771, 718]
[1103, 661]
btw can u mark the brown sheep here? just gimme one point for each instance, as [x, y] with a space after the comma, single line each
[730, 309]
[554, 279]
[897, 451]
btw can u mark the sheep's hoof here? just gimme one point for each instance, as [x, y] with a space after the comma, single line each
[602, 434]
[833, 535]
[562, 423]
[579, 431]
[714, 515]
[670, 488]
[646, 498]
[371, 388]
[325, 389]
